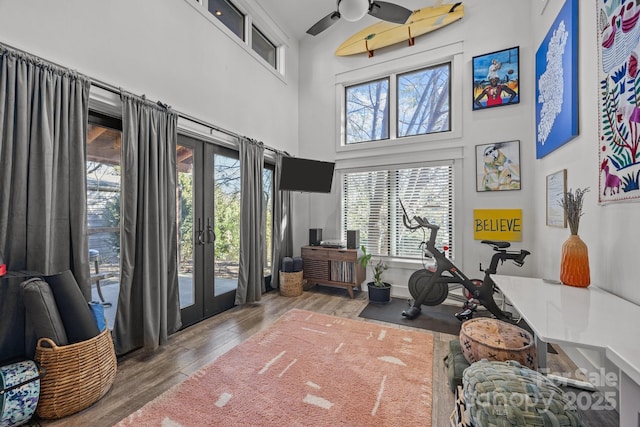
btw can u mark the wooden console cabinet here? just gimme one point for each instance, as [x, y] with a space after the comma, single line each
[334, 267]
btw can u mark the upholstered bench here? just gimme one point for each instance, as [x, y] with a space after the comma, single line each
[492, 339]
[509, 394]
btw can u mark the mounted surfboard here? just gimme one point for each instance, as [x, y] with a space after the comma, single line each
[384, 34]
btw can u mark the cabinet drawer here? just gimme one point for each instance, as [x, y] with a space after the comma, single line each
[344, 255]
[329, 253]
[314, 253]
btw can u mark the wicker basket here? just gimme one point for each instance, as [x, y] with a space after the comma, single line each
[291, 284]
[77, 375]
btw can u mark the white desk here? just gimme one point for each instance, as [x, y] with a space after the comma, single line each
[584, 318]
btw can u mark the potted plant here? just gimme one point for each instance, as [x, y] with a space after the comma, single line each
[379, 291]
[574, 265]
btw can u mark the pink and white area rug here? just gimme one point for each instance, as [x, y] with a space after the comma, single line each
[306, 369]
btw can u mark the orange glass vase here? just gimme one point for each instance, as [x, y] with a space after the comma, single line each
[574, 266]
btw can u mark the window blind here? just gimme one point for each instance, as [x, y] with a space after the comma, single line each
[371, 205]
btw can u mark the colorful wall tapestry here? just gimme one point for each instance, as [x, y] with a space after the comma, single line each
[557, 82]
[618, 45]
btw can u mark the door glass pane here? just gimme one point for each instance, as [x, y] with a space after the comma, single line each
[226, 223]
[267, 189]
[103, 215]
[184, 216]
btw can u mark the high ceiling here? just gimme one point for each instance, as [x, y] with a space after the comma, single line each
[297, 16]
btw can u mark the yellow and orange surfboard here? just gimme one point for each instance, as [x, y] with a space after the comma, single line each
[385, 33]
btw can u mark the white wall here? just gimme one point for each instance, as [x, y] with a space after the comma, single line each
[610, 230]
[479, 32]
[168, 51]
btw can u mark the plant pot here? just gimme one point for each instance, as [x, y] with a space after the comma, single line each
[574, 265]
[379, 295]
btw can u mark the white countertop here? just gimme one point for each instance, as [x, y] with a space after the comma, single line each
[579, 317]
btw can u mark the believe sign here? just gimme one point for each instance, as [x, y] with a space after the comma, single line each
[497, 224]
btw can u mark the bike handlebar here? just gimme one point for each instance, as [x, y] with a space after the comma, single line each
[424, 222]
[503, 254]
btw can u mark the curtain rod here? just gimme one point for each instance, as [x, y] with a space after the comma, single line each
[116, 90]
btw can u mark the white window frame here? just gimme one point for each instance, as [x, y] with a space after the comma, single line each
[254, 16]
[392, 242]
[451, 53]
[398, 160]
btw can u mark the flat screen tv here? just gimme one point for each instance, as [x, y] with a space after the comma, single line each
[306, 175]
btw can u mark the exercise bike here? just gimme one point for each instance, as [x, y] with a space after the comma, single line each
[431, 286]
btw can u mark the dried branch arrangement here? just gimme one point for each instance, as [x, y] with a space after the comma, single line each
[572, 205]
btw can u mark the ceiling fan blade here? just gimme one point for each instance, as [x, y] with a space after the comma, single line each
[389, 12]
[324, 23]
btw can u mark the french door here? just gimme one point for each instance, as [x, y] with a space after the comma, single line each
[208, 214]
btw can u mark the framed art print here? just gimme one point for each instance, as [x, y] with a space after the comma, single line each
[498, 166]
[556, 189]
[496, 78]
[557, 82]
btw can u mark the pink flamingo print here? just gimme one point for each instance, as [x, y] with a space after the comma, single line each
[611, 181]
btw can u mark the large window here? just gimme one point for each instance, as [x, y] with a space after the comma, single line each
[421, 99]
[371, 204]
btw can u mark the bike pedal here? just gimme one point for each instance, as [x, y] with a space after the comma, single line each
[464, 315]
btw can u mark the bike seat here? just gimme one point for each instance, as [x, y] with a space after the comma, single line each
[496, 244]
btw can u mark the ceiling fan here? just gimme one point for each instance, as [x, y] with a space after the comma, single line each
[353, 10]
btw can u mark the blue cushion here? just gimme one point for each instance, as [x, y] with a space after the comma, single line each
[98, 314]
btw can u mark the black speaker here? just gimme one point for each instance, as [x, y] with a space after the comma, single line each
[353, 239]
[315, 236]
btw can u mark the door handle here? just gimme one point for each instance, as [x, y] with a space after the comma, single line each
[200, 232]
[211, 235]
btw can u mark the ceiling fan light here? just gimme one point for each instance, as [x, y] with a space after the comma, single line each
[353, 10]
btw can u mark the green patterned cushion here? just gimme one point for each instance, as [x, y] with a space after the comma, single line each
[509, 394]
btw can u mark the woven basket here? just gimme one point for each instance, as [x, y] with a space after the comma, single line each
[509, 394]
[77, 375]
[492, 339]
[291, 284]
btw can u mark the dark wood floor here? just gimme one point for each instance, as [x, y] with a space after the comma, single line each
[143, 376]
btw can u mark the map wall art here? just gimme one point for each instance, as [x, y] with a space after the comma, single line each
[619, 136]
[557, 82]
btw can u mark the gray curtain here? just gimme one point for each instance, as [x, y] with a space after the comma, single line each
[148, 304]
[252, 234]
[43, 131]
[282, 235]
